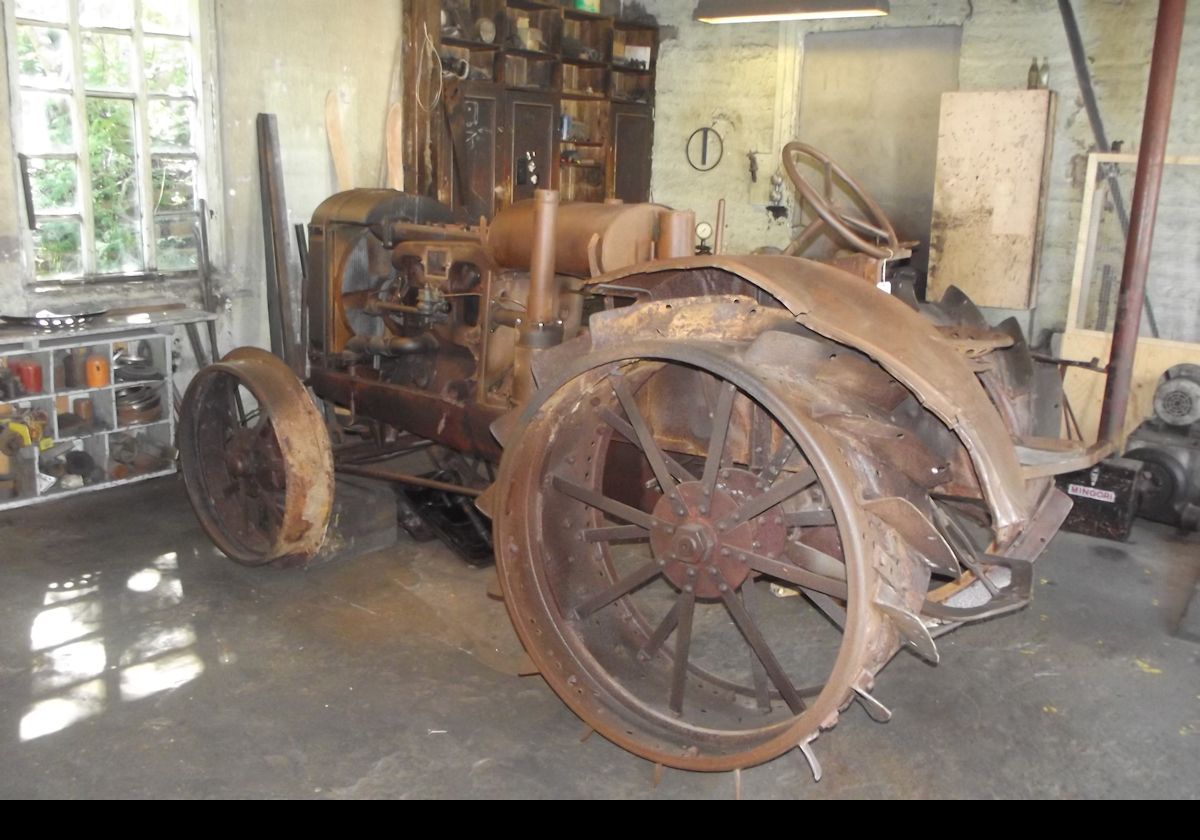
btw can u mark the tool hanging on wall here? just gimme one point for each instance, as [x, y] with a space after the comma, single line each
[776, 207]
[705, 148]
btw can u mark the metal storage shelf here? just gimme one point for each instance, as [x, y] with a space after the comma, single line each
[106, 432]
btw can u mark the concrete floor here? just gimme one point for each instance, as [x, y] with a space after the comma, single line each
[135, 661]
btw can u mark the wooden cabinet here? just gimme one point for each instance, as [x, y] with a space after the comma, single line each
[549, 97]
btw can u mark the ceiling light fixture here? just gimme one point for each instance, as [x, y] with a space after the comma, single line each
[761, 11]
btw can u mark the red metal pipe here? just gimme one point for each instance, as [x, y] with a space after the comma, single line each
[1155, 125]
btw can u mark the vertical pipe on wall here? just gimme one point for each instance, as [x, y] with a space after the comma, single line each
[1160, 92]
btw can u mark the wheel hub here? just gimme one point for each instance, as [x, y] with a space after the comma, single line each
[695, 554]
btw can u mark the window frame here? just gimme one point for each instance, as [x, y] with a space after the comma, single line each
[204, 151]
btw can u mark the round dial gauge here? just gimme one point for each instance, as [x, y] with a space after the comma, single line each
[704, 230]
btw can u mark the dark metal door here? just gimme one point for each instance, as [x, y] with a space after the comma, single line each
[632, 146]
[531, 148]
[471, 159]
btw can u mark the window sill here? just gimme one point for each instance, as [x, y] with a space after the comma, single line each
[108, 280]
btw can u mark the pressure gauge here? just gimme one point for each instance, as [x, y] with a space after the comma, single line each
[704, 231]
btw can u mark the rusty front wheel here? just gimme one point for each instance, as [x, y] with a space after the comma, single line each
[652, 510]
[256, 459]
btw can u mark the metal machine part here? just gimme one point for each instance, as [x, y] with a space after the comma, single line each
[256, 459]
[1168, 445]
[678, 437]
[1177, 398]
[1106, 498]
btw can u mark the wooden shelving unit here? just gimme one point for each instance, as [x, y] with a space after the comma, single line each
[564, 96]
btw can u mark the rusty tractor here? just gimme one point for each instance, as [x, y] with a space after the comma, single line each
[724, 490]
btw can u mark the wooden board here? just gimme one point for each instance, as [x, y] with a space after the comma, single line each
[989, 196]
[337, 145]
[1085, 389]
[394, 143]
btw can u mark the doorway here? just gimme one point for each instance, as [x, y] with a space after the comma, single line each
[871, 99]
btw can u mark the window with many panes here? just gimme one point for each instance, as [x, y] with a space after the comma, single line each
[106, 101]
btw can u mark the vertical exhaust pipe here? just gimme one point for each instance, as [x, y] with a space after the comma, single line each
[541, 327]
[676, 234]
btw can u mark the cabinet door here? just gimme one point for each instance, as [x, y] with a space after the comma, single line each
[632, 146]
[470, 155]
[531, 135]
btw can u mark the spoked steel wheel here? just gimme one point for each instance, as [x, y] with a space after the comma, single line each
[645, 512]
[256, 459]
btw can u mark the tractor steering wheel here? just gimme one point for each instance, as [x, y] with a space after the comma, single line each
[883, 242]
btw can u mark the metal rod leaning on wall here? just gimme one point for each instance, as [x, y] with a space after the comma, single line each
[1084, 77]
[1164, 63]
[204, 258]
[280, 312]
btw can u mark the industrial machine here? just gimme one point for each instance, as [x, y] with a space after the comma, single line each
[724, 490]
[1168, 445]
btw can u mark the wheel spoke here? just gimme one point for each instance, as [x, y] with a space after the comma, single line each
[612, 507]
[758, 674]
[780, 491]
[610, 533]
[683, 644]
[721, 418]
[645, 438]
[622, 587]
[754, 638]
[664, 629]
[795, 574]
[778, 461]
[680, 472]
[760, 435]
[809, 518]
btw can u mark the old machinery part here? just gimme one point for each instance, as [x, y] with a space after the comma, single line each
[1170, 487]
[591, 238]
[680, 459]
[874, 236]
[396, 346]
[1177, 398]
[1168, 445]
[138, 404]
[256, 459]
[676, 237]
[1105, 497]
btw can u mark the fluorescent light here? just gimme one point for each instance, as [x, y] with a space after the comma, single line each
[761, 11]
